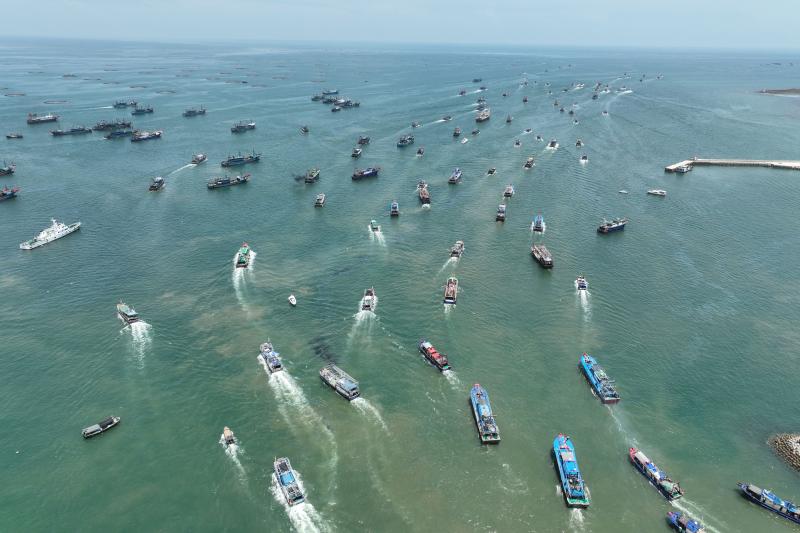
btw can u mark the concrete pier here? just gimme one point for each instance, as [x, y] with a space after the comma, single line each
[696, 161]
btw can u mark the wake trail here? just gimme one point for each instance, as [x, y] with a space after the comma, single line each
[233, 451]
[452, 378]
[303, 516]
[140, 339]
[696, 511]
[450, 261]
[182, 168]
[576, 521]
[366, 408]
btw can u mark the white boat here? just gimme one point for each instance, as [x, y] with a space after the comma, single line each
[623, 191]
[47, 235]
[657, 192]
[465, 140]
[292, 300]
[228, 437]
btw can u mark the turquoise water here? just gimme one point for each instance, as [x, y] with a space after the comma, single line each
[692, 309]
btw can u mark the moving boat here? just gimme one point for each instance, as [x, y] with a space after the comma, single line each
[657, 192]
[538, 224]
[610, 226]
[528, 130]
[127, 313]
[292, 300]
[447, 118]
[14, 136]
[192, 112]
[122, 104]
[270, 357]
[101, 427]
[584, 158]
[683, 523]
[8, 194]
[243, 256]
[491, 171]
[362, 140]
[312, 175]
[484, 419]
[659, 479]
[517, 143]
[374, 226]
[501, 213]
[304, 130]
[145, 135]
[484, 115]
[581, 283]
[394, 209]
[405, 140]
[368, 172]
[239, 159]
[199, 158]
[572, 484]
[241, 127]
[330, 92]
[117, 134]
[770, 501]
[602, 385]
[509, 191]
[415, 124]
[455, 177]
[157, 184]
[142, 110]
[420, 151]
[225, 181]
[465, 140]
[370, 300]
[50, 234]
[228, 438]
[75, 130]
[509, 118]
[320, 201]
[7, 169]
[457, 250]
[451, 291]
[439, 360]
[356, 153]
[456, 132]
[552, 145]
[33, 118]
[287, 482]
[529, 163]
[118, 124]
[578, 143]
[542, 255]
[340, 381]
[424, 194]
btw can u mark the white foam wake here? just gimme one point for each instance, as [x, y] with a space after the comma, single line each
[452, 378]
[450, 261]
[182, 168]
[366, 408]
[576, 519]
[698, 513]
[303, 516]
[233, 451]
[140, 338]
[377, 236]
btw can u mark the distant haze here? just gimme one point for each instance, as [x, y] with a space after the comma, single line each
[663, 23]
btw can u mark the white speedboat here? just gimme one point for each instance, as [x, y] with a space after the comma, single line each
[292, 300]
[227, 436]
[47, 235]
[465, 140]
[657, 192]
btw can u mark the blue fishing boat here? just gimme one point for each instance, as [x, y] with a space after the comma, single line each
[602, 385]
[287, 481]
[657, 477]
[484, 419]
[771, 502]
[270, 358]
[683, 523]
[237, 160]
[610, 226]
[8, 194]
[369, 172]
[538, 224]
[572, 484]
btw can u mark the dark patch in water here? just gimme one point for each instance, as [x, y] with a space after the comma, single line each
[322, 350]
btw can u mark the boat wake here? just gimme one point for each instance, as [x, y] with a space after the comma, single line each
[183, 167]
[695, 511]
[448, 308]
[233, 451]
[377, 236]
[141, 339]
[240, 276]
[452, 379]
[576, 520]
[303, 516]
[544, 228]
[450, 261]
[366, 408]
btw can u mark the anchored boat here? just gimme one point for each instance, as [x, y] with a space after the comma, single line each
[320, 201]
[75, 130]
[142, 110]
[312, 175]
[572, 484]
[405, 140]
[117, 134]
[439, 360]
[101, 427]
[602, 385]
[451, 291]
[241, 127]
[455, 177]
[193, 112]
[771, 502]
[424, 194]
[139, 136]
[287, 482]
[484, 419]
[340, 381]
[118, 124]
[542, 255]
[369, 172]
[683, 523]
[48, 235]
[610, 226]
[239, 159]
[501, 213]
[356, 153]
[33, 118]
[225, 181]
[659, 479]
[127, 313]
[243, 256]
[270, 357]
[8, 194]
[484, 115]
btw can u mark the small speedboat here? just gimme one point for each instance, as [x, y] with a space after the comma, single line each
[465, 140]
[537, 224]
[369, 300]
[199, 158]
[415, 124]
[304, 130]
[320, 201]
[491, 171]
[455, 177]
[243, 256]
[657, 192]
[420, 151]
[509, 118]
[14, 136]
[584, 158]
[539, 138]
[529, 163]
[292, 300]
[101, 427]
[581, 283]
[394, 209]
[287, 482]
[578, 143]
[552, 145]
[228, 438]
[447, 118]
[374, 226]
[157, 184]
[524, 99]
[509, 191]
[457, 250]
[681, 522]
[517, 143]
[356, 153]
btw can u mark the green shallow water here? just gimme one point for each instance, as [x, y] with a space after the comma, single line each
[692, 309]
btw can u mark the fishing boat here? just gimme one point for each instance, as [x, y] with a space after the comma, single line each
[225, 181]
[484, 115]
[581, 283]
[270, 357]
[75, 130]
[142, 110]
[491, 171]
[683, 523]
[424, 194]
[542, 255]
[14, 136]
[552, 145]
[8, 194]
[101, 427]
[287, 482]
[127, 313]
[455, 177]
[340, 381]
[420, 151]
[292, 300]
[228, 438]
[239, 159]
[243, 256]
[33, 118]
[572, 485]
[356, 153]
[241, 127]
[7, 169]
[394, 209]
[439, 360]
[193, 112]
[602, 385]
[610, 226]
[118, 124]
[456, 132]
[457, 250]
[312, 175]
[139, 136]
[118, 134]
[199, 158]
[304, 130]
[657, 192]
[447, 118]
[500, 216]
[538, 224]
[524, 99]
[320, 200]
[374, 226]
[405, 140]
[659, 479]
[477, 80]
[451, 291]
[770, 501]
[415, 124]
[508, 192]
[370, 300]
[362, 140]
[50, 234]
[157, 184]
[369, 172]
[484, 418]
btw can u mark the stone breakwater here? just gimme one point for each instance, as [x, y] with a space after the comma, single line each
[787, 446]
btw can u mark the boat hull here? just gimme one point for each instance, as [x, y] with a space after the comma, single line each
[33, 243]
[753, 498]
[486, 438]
[581, 502]
[642, 470]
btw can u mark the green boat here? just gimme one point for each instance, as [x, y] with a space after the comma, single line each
[243, 257]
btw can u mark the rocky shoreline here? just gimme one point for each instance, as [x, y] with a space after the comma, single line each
[787, 446]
